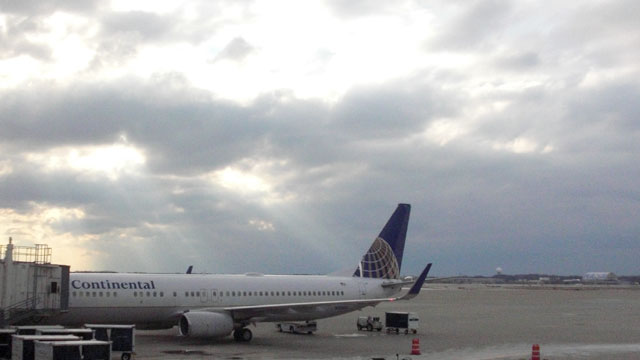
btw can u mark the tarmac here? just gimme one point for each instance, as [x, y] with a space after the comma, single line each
[456, 322]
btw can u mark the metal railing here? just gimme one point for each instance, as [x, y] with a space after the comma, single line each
[39, 254]
[20, 311]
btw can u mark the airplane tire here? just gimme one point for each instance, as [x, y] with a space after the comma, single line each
[246, 335]
[126, 356]
[369, 327]
[242, 335]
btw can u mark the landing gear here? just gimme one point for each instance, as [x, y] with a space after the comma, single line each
[242, 335]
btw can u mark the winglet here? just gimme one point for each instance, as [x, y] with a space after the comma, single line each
[415, 289]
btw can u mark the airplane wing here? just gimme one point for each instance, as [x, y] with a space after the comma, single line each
[273, 312]
[257, 313]
[417, 286]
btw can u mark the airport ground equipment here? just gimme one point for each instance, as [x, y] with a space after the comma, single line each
[369, 323]
[307, 327]
[22, 347]
[30, 286]
[5, 342]
[83, 334]
[402, 321]
[33, 329]
[73, 350]
[122, 337]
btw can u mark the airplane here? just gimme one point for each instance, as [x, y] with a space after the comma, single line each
[212, 305]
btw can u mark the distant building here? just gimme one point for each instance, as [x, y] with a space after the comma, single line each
[571, 281]
[600, 278]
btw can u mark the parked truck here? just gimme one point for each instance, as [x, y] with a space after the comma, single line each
[402, 321]
[369, 323]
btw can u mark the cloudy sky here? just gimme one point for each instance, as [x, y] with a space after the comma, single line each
[278, 136]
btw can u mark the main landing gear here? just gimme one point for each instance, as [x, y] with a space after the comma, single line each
[242, 335]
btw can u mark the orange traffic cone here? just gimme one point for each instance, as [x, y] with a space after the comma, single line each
[535, 352]
[415, 347]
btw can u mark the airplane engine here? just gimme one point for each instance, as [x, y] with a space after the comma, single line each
[205, 324]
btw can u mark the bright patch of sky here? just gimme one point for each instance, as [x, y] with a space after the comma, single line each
[110, 161]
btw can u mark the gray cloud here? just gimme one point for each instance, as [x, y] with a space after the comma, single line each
[36, 7]
[15, 40]
[359, 8]
[568, 205]
[236, 50]
[479, 25]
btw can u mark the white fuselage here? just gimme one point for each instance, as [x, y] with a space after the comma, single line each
[158, 300]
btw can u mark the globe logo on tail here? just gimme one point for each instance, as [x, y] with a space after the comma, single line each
[379, 262]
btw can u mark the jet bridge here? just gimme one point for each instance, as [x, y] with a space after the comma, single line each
[30, 286]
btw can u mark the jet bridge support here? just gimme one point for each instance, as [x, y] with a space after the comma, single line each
[30, 286]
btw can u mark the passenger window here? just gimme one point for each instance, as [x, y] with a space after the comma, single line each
[244, 293]
[108, 294]
[175, 294]
[214, 294]
[155, 294]
[198, 293]
[192, 293]
[115, 294]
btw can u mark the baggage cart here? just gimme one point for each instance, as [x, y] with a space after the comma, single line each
[122, 337]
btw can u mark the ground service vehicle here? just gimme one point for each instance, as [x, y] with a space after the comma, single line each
[307, 327]
[402, 321]
[370, 323]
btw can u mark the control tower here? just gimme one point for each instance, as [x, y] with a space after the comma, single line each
[31, 288]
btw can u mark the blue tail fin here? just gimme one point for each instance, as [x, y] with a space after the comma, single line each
[384, 258]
